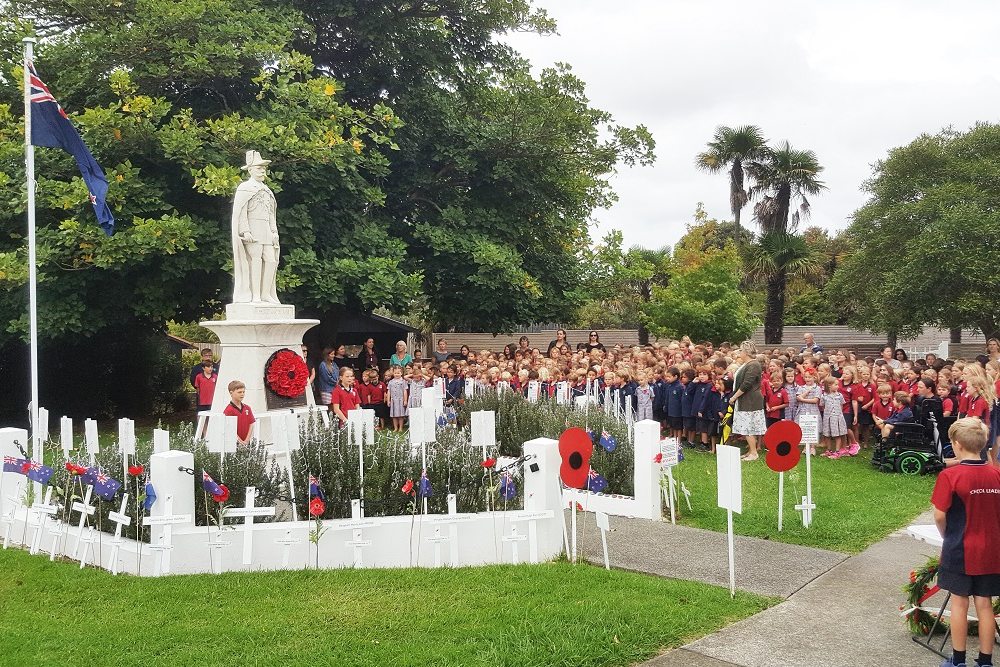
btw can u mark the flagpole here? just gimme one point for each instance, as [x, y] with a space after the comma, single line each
[29, 164]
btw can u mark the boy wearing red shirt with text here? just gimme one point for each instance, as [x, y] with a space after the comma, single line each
[237, 408]
[204, 384]
[966, 503]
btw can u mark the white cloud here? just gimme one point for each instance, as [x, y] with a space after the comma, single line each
[847, 79]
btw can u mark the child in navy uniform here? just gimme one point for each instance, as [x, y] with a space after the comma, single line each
[701, 407]
[672, 393]
[687, 400]
[966, 503]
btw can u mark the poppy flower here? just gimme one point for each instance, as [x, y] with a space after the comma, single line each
[136, 470]
[658, 458]
[489, 463]
[408, 487]
[316, 507]
[26, 468]
[579, 507]
[71, 468]
[221, 497]
[575, 448]
[782, 442]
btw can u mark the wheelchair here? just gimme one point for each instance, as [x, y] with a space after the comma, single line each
[915, 448]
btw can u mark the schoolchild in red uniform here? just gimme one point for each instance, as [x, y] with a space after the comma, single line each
[966, 503]
[882, 406]
[345, 396]
[204, 384]
[237, 408]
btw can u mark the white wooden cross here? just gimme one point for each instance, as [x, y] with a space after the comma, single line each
[57, 531]
[532, 518]
[85, 509]
[451, 520]
[806, 507]
[121, 518]
[437, 539]
[287, 542]
[358, 542]
[88, 541]
[168, 519]
[248, 512]
[93, 445]
[7, 518]
[687, 495]
[514, 538]
[41, 513]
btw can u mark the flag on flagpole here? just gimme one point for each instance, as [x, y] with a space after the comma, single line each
[425, 490]
[150, 500]
[315, 488]
[50, 127]
[209, 484]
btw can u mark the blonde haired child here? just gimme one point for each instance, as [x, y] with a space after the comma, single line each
[833, 426]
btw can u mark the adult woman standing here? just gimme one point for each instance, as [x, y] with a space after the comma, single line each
[368, 357]
[993, 349]
[441, 353]
[327, 376]
[887, 356]
[559, 341]
[594, 342]
[747, 399]
[463, 353]
[401, 358]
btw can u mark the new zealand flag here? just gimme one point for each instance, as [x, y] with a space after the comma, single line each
[316, 489]
[425, 490]
[50, 127]
[596, 481]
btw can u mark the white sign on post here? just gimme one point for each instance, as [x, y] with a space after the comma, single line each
[484, 430]
[533, 389]
[90, 433]
[810, 429]
[66, 435]
[416, 426]
[43, 424]
[470, 388]
[126, 437]
[730, 477]
[161, 440]
[810, 436]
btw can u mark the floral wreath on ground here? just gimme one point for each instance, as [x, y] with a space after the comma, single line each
[918, 591]
[286, 374]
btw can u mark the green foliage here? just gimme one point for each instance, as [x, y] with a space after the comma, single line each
[812, 306]
[357, 618]
[192, 332]
[925, 241]
[704, 302]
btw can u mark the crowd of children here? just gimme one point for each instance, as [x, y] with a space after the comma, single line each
[686, 386]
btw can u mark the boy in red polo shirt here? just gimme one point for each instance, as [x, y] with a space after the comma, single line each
[204, 383]
[966, 503]
[237, 408]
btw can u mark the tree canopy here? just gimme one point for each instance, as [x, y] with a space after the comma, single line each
[926, 239]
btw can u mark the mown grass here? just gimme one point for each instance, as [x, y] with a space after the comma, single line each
[856, 505]
[551, 614]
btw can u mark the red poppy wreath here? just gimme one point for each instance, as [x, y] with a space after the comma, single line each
[286, 374]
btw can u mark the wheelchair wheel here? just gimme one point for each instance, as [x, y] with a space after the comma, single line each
[910, 464]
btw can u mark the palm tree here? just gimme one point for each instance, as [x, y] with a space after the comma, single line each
[655, 272]
[771, 261]
[782, 176]
[733, 148]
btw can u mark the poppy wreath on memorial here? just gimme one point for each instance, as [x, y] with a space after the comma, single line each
[286, 374]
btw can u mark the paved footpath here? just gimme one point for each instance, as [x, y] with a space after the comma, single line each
[839, 610]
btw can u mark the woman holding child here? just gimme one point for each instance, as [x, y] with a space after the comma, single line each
[747, 399]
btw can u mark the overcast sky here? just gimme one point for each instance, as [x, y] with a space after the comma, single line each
[848, 79]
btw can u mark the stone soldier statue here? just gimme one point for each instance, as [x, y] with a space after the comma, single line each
[255, 236]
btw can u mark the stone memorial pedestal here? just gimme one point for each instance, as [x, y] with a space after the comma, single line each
[249, 335]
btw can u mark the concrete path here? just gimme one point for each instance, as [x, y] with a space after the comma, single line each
[681, 552]
[847, 616]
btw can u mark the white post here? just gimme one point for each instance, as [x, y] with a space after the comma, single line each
[732, 555]
[730, 492]
[646, 472]
[121, 518]
[29, 168]
[85, 509]
[605, 526]
[781, 497]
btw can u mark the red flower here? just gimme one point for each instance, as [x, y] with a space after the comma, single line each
[26, 468]
[408, 487]
[658, 458]
[316, 507]
[575, 449]
[489, 463]
[579, 507]
[782, 442]
[71, 468]
[222, 497]
[136, 470]
[286, 374]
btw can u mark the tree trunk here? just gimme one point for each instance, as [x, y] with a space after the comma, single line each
[774, 308]
[738, 230]
[955, 335]
[643, 334]
[892, 338]
[989, 327]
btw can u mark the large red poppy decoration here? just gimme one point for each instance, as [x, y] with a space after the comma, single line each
[286, 374]
[782, 442]
[575, 448]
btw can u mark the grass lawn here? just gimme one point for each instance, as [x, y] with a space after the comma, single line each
[856, 505]
[552, 614]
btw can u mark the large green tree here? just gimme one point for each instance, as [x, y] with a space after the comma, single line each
[417, 161]
[783, 176]
[734, 148]
[926, 249]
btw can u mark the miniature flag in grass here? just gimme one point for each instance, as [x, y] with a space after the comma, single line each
[596, 481]
[425, 486]
[315, 490]
[508, 489]
[106, 486]
[207, 483]
[442, 421]
[608, 441]
[38, 472]
[150, 500]
[89, 477]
